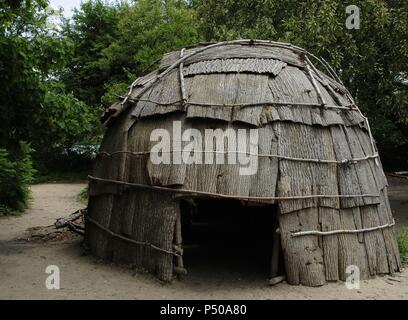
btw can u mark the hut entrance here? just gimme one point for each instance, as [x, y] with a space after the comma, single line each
[230, 238]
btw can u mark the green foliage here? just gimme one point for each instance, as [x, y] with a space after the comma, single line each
[16, 175]
[62, 125]
[94, 27]
[29, 52]
[70, 164]
[113, 91]
[63, 120]
[83, 196]
[115, 43]
[403, 244]
[146, 30]
[153, 27]
[6, 211]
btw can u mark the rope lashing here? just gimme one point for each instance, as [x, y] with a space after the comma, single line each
[142, 243]
[314, 83]
[125, 99]
[327, 233]
[181, 76]
[227, 196]
[323, 81]
[349, 107]
[264, 155]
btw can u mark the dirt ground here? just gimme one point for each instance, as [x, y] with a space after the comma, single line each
[23, 264]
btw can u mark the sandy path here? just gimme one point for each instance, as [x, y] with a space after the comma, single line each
[22, 265]
[50, 201]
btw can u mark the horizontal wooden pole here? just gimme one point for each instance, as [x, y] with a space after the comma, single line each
[226, 196]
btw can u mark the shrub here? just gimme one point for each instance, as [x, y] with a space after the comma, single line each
[16, 175]
[403, 244]
[83, 195]
[64, 164]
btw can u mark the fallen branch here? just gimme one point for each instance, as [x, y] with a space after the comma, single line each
[76, 228]
[397, 175]
[276, 280]
[65, 221]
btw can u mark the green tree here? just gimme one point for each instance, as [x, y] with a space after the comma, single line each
[65, 132]
[63, 119]
[29, 53]
[93, 27]
[32, 51]
[146, 30]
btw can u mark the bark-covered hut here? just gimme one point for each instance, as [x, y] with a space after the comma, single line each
[318, 171]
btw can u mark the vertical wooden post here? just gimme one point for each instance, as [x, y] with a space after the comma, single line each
[275, 253]
[275, 277]
[179, 269]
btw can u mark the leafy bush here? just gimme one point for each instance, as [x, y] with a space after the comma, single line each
[403, 244]
[64, 164]
[63, 119]
[5, 210]
[65, 127]
[83, 195]
[16, 175]
[30, 51]
[114, 90]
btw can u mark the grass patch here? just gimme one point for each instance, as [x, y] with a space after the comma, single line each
[7, 211]
[82, 197]
[10, 212]
[403, 244]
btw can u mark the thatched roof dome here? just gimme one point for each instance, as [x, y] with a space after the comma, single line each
[265, 78]
[316, 160]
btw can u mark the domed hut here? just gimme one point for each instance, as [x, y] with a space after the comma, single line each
[242, 126]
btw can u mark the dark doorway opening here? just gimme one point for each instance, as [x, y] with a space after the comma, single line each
[230, 238]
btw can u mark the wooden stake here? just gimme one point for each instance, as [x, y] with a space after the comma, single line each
[178, 269]
[276, 245]
[276, 280]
